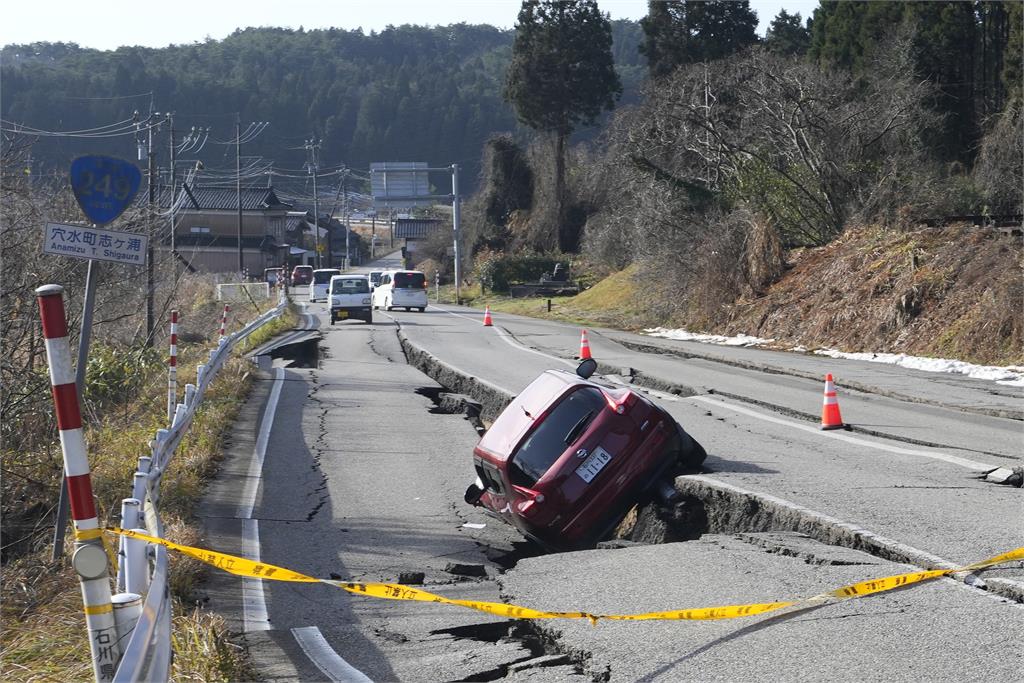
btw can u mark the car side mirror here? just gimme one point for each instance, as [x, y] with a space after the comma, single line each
[586, 368]
[474, 492]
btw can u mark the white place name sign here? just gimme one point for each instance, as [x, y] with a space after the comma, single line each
[84, 242]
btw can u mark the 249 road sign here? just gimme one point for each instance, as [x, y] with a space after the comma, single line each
[104, 186]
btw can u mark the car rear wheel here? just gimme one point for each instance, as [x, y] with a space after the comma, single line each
[421, 309]
[691, 453]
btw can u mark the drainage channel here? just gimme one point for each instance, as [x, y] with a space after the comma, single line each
[712, 507]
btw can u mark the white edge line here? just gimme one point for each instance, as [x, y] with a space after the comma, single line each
[330, 663]
[945, 457]
[254, 603]
[252, 479]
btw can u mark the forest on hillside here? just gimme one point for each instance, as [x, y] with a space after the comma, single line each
[742, 148]
[407, 93]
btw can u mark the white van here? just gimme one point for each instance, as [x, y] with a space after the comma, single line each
[401, 289]
[349, 297]
[321, 281]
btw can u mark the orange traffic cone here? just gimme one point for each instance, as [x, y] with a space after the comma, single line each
[830, 417]
[584, 346]
[487, 317]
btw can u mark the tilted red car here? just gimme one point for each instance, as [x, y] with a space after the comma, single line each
[568, 457]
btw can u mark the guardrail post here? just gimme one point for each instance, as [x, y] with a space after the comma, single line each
[136, 564]
[129, 520]
[127, 610]
[90, 558]
[190, 394]
[172, 368]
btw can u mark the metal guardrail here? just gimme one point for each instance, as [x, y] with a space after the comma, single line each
[143, 571]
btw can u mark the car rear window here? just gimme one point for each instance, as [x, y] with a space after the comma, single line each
[410, 280]
[547, 441]
[357, 285]
[322, 277]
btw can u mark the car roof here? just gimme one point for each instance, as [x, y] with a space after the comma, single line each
[350, 276]
[327, 270]
[513, 423]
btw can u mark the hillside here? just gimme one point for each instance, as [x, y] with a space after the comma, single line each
[952, 293]
[406, 93]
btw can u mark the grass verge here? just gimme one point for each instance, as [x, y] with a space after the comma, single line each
[44, 636]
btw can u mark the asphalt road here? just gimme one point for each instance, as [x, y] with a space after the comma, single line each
[361, 480]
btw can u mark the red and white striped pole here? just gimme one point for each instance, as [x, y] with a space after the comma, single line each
[90, 558]
[224, 320]
[172, 370]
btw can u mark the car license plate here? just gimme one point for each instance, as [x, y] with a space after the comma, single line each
[342, 314]
[593, 464]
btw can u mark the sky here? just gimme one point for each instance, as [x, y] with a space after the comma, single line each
[106, 25]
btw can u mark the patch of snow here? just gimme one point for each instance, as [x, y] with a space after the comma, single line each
[683, 335]
[1010, 375]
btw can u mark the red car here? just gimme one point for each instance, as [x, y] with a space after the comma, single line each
[568, 457]
[302, 275]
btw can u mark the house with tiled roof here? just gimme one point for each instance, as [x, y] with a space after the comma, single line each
[206, 229]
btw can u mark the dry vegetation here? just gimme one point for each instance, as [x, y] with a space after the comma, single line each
[44, 636]
[954, 292]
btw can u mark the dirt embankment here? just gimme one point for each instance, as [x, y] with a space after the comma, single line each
[955, 292]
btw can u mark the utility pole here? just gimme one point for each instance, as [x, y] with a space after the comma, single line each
[238, 188]
[174, 252]
[150, 280]
[456, 220]
[344, 190]
[312, 164]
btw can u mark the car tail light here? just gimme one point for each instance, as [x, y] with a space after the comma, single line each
[529, 506]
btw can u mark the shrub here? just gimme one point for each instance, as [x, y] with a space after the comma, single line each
[499, 271]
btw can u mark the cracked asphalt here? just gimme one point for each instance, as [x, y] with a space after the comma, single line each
[363, 480]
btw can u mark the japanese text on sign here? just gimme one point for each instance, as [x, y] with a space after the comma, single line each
[85, 242]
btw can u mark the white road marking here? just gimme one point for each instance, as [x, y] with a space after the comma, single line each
[330, 663]
[254, 603]
[252, 480]
[945, 457]
[255, 616]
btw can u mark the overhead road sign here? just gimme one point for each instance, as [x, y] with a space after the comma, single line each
[84, 242]
[400, 184]
[104, 186]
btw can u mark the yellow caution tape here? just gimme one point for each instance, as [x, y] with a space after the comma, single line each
[394, 591]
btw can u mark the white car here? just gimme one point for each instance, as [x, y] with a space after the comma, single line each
[401, 289]
[349, 297]
[321, 281]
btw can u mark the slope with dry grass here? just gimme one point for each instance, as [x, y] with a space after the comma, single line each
[954, 292]
[44, 636]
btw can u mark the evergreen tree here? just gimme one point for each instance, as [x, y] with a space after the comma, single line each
[786, 34]
[561, 76]
[685, 31]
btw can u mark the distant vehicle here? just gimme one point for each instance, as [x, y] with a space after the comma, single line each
[568, 457]
[401, 289]
[321, 281]
[375, 277]
[349, 297]
[302, 275]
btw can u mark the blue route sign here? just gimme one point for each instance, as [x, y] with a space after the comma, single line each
[104, 186]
